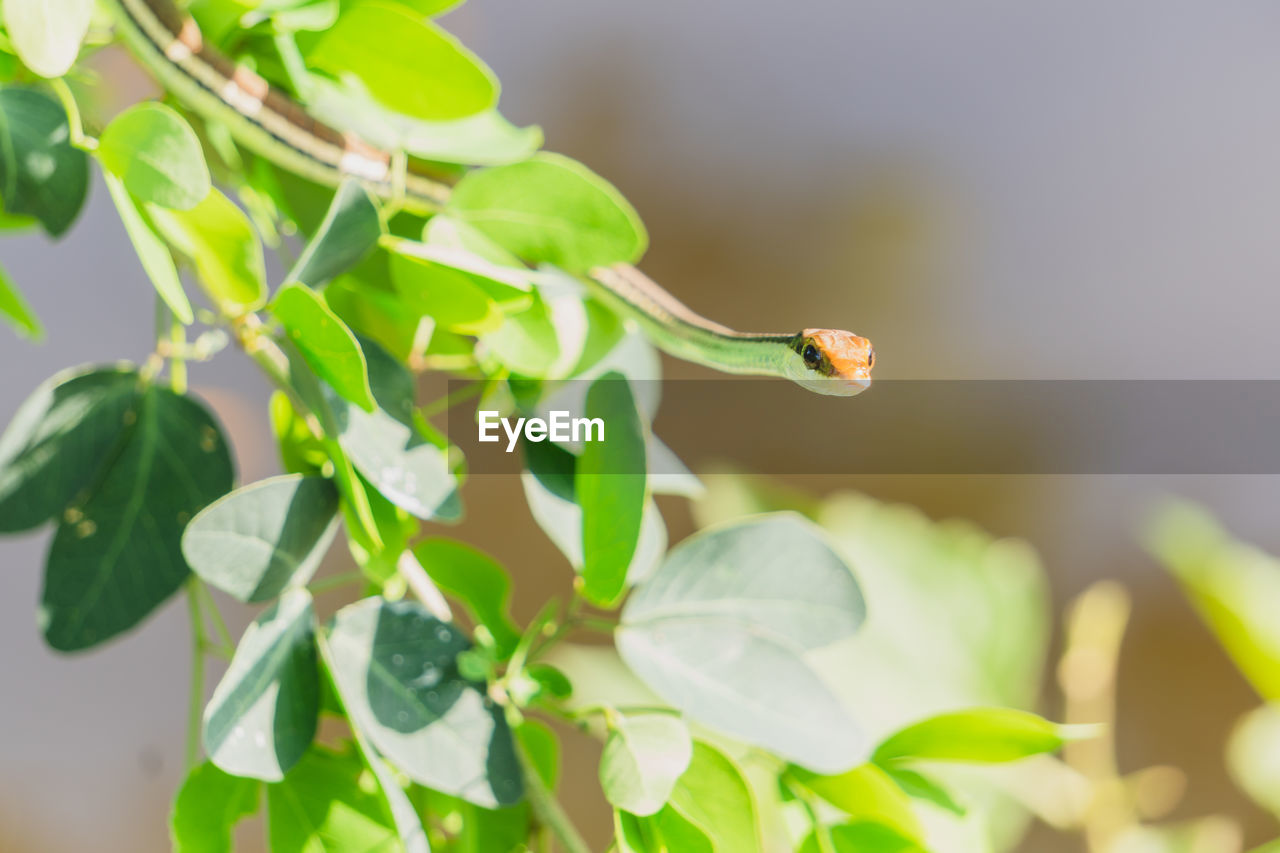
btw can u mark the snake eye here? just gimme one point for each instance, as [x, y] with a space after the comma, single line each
[812, 358]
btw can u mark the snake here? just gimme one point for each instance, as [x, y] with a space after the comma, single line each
[270, 123]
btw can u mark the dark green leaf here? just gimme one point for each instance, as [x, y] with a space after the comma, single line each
[41, 174]
[152, 253]
[421, 71]
[207, 808]
[47, 33]
[478, 581]
[325, 342]
[263, 538]
[720, 631]
[263, 713]
[57, 440]
[552, 209]
[117, 552]
[157, 155]
[642, 759]
[396, 669]
[323, 804]
[975, 734]
[16, 310]
[610, 488]
[350, 229]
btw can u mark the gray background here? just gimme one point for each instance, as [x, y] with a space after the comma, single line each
[1079, 189]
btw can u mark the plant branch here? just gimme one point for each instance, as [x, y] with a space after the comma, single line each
[547, 809]
[195, 706]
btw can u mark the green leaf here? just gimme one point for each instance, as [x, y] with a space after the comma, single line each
[152, 253]
[55, 443]
[124, 468]
[157, 155]
[325, 803]
[404, 814]
[41, 174]
[1234, 587]
[263, 538]
[1253, 756]
[208, 806]
[16, 310]
[478, 581]
[219, 239]
[714, 796]
[454, 299]
[548, 481]
[47, 33]
[396, 669]
[920, 787]
[422, 71]
[867, 794]
[720, 631]
[263, 713]
[325, 342]
[986, 735]
[551, 209]
[483, 139]
[861, 838]
[350, 230]
[642, 759]
[388, 448]
[610, 486]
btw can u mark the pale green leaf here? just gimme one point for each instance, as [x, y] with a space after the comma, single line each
[219, 239]
[721, 628]
[208, 806]
[325, 342]
[422, 71]
[263, 538]
[396, 669]
[642, 759]
[263, 713]
[325, 804]
[14, 308]
[714, 796]
[451, 297]
[985, 735]
[551, 209]
[47, 33]
[152, 253]
[1235, 588]
[866, 793]
[157, 155]
[1253, 756]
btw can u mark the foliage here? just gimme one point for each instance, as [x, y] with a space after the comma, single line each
[776, 681]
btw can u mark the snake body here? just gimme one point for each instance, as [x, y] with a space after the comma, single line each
[265, 120]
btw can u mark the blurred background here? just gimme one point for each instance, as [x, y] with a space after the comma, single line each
[985, 189]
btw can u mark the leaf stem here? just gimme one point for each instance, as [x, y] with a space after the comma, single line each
[177, 356]
[219, 624]
[547, 809]
[74, 123]
[195, 706]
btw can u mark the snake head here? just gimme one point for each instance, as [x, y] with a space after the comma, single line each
[833, 362]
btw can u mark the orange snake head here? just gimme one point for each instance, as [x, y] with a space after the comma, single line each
[832, 362]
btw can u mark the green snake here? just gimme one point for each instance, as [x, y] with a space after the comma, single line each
[265, 120]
